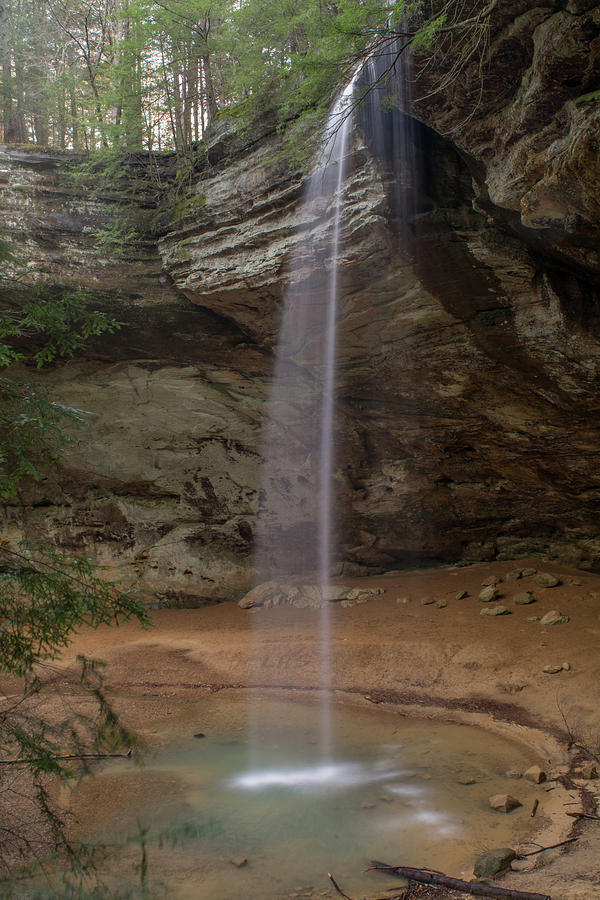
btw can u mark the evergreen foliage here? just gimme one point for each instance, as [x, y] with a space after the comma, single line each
[153, 74]
[46, 595]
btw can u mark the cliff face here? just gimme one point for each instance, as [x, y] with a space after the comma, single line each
[469, 352]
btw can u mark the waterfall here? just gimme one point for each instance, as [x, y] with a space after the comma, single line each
[296, 518]
[296, 526]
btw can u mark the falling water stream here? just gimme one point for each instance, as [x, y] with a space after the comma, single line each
[296, 522]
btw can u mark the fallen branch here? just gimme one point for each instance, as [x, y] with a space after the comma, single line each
[337, 887]
[347, 897]
[584, 816]
[536, 803]
[27, 762]
[551, 847]
[421, 876]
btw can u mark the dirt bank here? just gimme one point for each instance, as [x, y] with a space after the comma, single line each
[400, 647]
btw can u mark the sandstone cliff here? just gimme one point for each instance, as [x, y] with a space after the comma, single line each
[468, 424]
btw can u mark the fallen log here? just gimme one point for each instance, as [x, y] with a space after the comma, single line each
[584, 816]
[477, 888]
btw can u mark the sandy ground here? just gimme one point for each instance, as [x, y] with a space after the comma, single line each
[400, 648]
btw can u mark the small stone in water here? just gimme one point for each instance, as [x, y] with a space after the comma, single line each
[466, 779]
[441, 604]
[554, 617]
[239, 862]
[527, 573]
[367, 805]
[546, 580]
[512, 773]
[533, 618]
[535, 774]
[428, 601]
[578, 582]
[513, 576]
[566, 667]
[524, 599]
[461, 595]
[504, 802]
[200, 735]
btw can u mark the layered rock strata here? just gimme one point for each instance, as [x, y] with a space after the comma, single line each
[469, 353]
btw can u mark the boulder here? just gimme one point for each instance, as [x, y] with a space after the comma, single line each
[488, 594]
[514, 576]
[554, 617]
[546, 580]
[535, 774]
[492, 862]
[524, 599]
[504, 802]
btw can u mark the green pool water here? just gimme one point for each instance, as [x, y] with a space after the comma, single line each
[257, 788]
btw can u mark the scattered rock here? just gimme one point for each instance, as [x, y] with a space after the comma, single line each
[337, 592]
[488, 594]
[385, 798]
[367, 805]
[492, 862]
[495, 611]
[461, 595]
[546, 580]
[239, 862]
[360, 593]
[428, 601]
[524, 599]
[492, 581]
[552, 670]
[512, 773]
[578, 582]
[566, 667]
[527, 573]
[200, 735]
[441, 604]
[554, 617]
[514, 576]
[589, 771]
[466, 779]
[504, 802]
[535, 774]
[533, 618]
